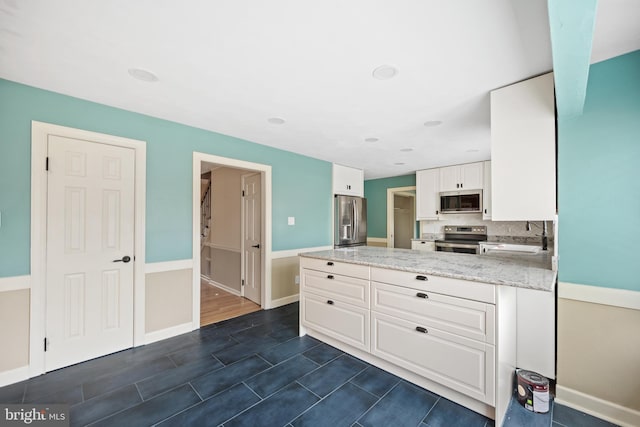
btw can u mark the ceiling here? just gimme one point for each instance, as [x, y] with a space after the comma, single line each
[231, 65]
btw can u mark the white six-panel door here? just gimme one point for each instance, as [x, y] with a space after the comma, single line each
[252, 237]
[90, 231]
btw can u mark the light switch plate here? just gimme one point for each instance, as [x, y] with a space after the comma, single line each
[291, 220]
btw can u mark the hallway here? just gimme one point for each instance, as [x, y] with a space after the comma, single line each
[217, 305]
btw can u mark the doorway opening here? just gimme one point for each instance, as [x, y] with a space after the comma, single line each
[231, 238]
[401, 216]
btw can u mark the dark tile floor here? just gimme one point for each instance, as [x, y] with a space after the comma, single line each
[253, 371]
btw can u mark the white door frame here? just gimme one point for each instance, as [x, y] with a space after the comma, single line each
[265, 185]
[39, 138]
[390, 206]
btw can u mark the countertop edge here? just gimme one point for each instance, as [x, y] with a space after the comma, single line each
[432, 272]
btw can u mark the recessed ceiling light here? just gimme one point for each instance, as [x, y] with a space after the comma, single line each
[432, 123]
[276, 121]
[406, 150]
[143, 75]
[399, 163]
[385, 72]
[371, 140]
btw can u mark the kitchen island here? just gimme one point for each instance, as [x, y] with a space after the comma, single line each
[446, 322]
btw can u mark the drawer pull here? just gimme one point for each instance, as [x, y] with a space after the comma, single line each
[330, 276]
[421, 295]
[424, 278]
[329, 263]
[421, 329]
[330, 302]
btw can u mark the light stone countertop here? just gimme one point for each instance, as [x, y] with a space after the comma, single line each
[519, 272]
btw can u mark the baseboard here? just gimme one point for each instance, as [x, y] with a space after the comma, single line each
[159, 267]
[284, 301]
[294, 252]
[220, 285]
[377, 239]
[15, 283]
[597, 407]
[623, 298]
[14, 375]
[172, 331]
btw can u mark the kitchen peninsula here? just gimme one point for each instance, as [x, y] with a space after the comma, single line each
[444, 321]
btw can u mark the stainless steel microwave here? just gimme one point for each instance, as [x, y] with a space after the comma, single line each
[468, 201]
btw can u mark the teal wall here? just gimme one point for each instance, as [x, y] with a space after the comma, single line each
[301, 185]
[599, 180]
[375, 191]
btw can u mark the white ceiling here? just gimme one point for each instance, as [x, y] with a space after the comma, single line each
[229, 65]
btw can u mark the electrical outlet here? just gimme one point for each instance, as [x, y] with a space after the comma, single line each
[291, 220]
[296, 280]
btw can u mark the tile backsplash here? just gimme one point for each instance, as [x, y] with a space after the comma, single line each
[494, 228]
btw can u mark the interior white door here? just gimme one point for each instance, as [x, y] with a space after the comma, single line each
[90, 242]
[252, 227]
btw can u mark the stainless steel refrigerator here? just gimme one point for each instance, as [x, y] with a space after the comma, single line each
[350, 221]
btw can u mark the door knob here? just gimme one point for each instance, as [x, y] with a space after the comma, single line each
[125, 259]
[256, 246]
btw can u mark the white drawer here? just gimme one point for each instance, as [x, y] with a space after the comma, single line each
[461, 364]
[460, 316]
[477, 291]
[335, 286]
[342, 321]
[335, 267]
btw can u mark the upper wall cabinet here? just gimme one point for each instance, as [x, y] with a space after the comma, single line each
[348, 181]
[427, 189]
[462, 177]
[523, 167]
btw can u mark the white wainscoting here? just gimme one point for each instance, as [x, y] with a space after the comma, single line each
[159, 267]
[294, 252]
[598, 295]
[15, 283]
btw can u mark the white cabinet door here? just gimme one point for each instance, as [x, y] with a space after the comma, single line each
[462, 364]
[469, 176]
[423, 245]
[523, 167]
[472, 176]
[348, 181]
[486, 192]
[449, 178]
[427, 198]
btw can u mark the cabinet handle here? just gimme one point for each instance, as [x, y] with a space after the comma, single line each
[329, 302]
[457, 185]
[330, 276]
[460, 185]
[329, 263]
[436, 212]
[423, 278]
[485, 211]
[421, 329]
[421, 295]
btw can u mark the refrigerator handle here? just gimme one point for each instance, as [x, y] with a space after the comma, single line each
[354, 229]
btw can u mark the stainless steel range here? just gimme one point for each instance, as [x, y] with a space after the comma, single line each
[462, 239]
